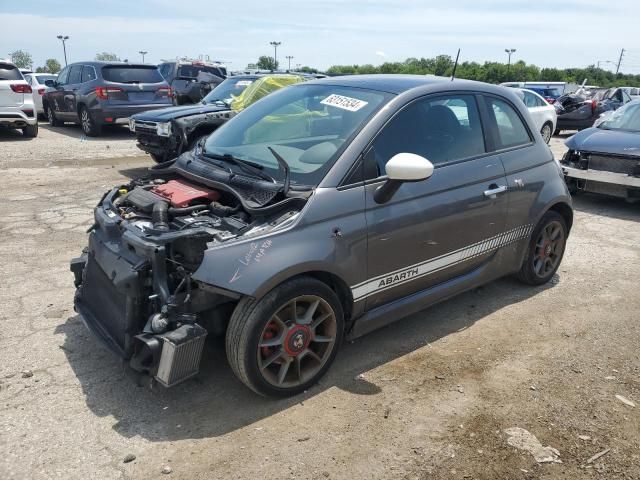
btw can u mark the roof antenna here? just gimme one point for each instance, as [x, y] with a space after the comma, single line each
[455, 66]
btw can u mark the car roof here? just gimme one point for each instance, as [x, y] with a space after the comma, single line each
[98, 63]
[397, 84]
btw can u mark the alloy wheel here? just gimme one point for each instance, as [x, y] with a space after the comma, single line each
[86, 121]
[548, 249]
[546, 133]
[297, 341]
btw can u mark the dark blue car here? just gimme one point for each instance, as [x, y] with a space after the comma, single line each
[94, 94]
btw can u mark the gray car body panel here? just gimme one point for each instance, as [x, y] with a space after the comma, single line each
[434, 238]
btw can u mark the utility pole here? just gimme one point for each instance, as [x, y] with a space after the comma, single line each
[619, 61]
[143, 53]
[275, 53]
[289, 57]
[63, 39]
[509, 52]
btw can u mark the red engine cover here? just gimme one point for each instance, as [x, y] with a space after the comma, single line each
[181, 194]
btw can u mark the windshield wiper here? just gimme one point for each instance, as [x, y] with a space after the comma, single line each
[282, 163]
[251, 168]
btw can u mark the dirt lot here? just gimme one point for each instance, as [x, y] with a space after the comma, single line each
[427, 398]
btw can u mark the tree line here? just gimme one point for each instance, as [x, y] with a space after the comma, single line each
[493, 72]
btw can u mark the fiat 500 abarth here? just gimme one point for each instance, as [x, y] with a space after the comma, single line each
[323, 211]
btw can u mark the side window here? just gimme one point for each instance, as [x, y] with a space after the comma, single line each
[28, 79]
[88, 74]
[441, 129]
[74, 74]
[530, 100]
[164, 69]
[511, 129]
[63, 76]
[625, 97]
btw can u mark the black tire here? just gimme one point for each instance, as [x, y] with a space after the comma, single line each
[157, 158]
[53, 120]
[251, 319]
[30, 131]
[544, 255]
[546, 132]
[88, 124]
[557, 131]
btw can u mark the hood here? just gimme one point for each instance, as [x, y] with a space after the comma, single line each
[171, 113]
[597, 140]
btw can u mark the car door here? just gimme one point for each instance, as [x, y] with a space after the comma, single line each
[524, 165]
[440, 228]
[56, 94]
[71, 91]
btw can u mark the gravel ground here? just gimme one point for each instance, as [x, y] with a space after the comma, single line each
[427, 398]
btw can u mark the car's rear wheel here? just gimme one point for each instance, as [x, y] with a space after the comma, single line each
[546, 248]
[545, 131]
[30, 131]
[51, 116]
[88, 124]
[282, 344]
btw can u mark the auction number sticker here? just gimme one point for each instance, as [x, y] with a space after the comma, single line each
[244, 83]
[345, 103]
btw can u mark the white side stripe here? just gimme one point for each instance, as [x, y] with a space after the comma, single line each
[413, 272]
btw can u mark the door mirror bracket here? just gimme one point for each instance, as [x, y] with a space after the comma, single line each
[401, 168]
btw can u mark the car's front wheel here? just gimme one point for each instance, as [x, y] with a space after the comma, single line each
[283, 343]
[546, 248]
[546, 131]
[30, 131]
[88, 124]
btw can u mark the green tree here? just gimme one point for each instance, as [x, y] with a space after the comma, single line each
[107, 57]
[267, 63]
[21, 59]
[52, 65]
[307, 69]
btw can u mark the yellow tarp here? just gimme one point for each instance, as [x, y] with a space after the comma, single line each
[261, 88]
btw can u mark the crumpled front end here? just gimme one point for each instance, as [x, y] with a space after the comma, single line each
[134, 282]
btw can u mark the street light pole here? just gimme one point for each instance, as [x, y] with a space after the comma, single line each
[275, 53]
[63, 39]
[289, 57]
[509, 51]
[143, 53]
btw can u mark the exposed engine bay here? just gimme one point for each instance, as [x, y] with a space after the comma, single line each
[134, 281]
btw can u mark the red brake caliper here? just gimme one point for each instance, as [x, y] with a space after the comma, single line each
[270, 332]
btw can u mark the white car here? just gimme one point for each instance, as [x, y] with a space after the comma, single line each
[16, 101]
[36, 80]
[543, 114]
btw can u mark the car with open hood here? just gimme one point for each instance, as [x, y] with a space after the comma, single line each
[325, 210]
[606, 158]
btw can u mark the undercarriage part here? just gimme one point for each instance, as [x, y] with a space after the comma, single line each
[181, 352]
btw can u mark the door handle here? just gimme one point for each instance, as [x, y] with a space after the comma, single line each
[492, 192]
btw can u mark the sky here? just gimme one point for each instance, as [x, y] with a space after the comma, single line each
[321, 33]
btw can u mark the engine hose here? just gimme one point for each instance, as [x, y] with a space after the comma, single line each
[160, 216]
[222, 210]
[187, 210]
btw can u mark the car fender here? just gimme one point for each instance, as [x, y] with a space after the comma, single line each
[329, 236]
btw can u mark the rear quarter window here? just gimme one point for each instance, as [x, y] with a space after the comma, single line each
[128, 74]
[511, 129]
[9, 72]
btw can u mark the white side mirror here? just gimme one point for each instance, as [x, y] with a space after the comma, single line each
[403, 167]
[408, 167]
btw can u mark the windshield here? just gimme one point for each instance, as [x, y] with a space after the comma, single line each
[308, 125]
[625, 118]
[43, 78]
[131, 74]
[231, 87]
[9, 72]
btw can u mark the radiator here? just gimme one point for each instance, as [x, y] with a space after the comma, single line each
[181, 352]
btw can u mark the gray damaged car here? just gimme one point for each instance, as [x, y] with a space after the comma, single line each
[324, 211]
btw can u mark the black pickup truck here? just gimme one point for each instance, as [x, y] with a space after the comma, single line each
[168, 132]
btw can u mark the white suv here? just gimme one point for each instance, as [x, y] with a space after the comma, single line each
[17, 109]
